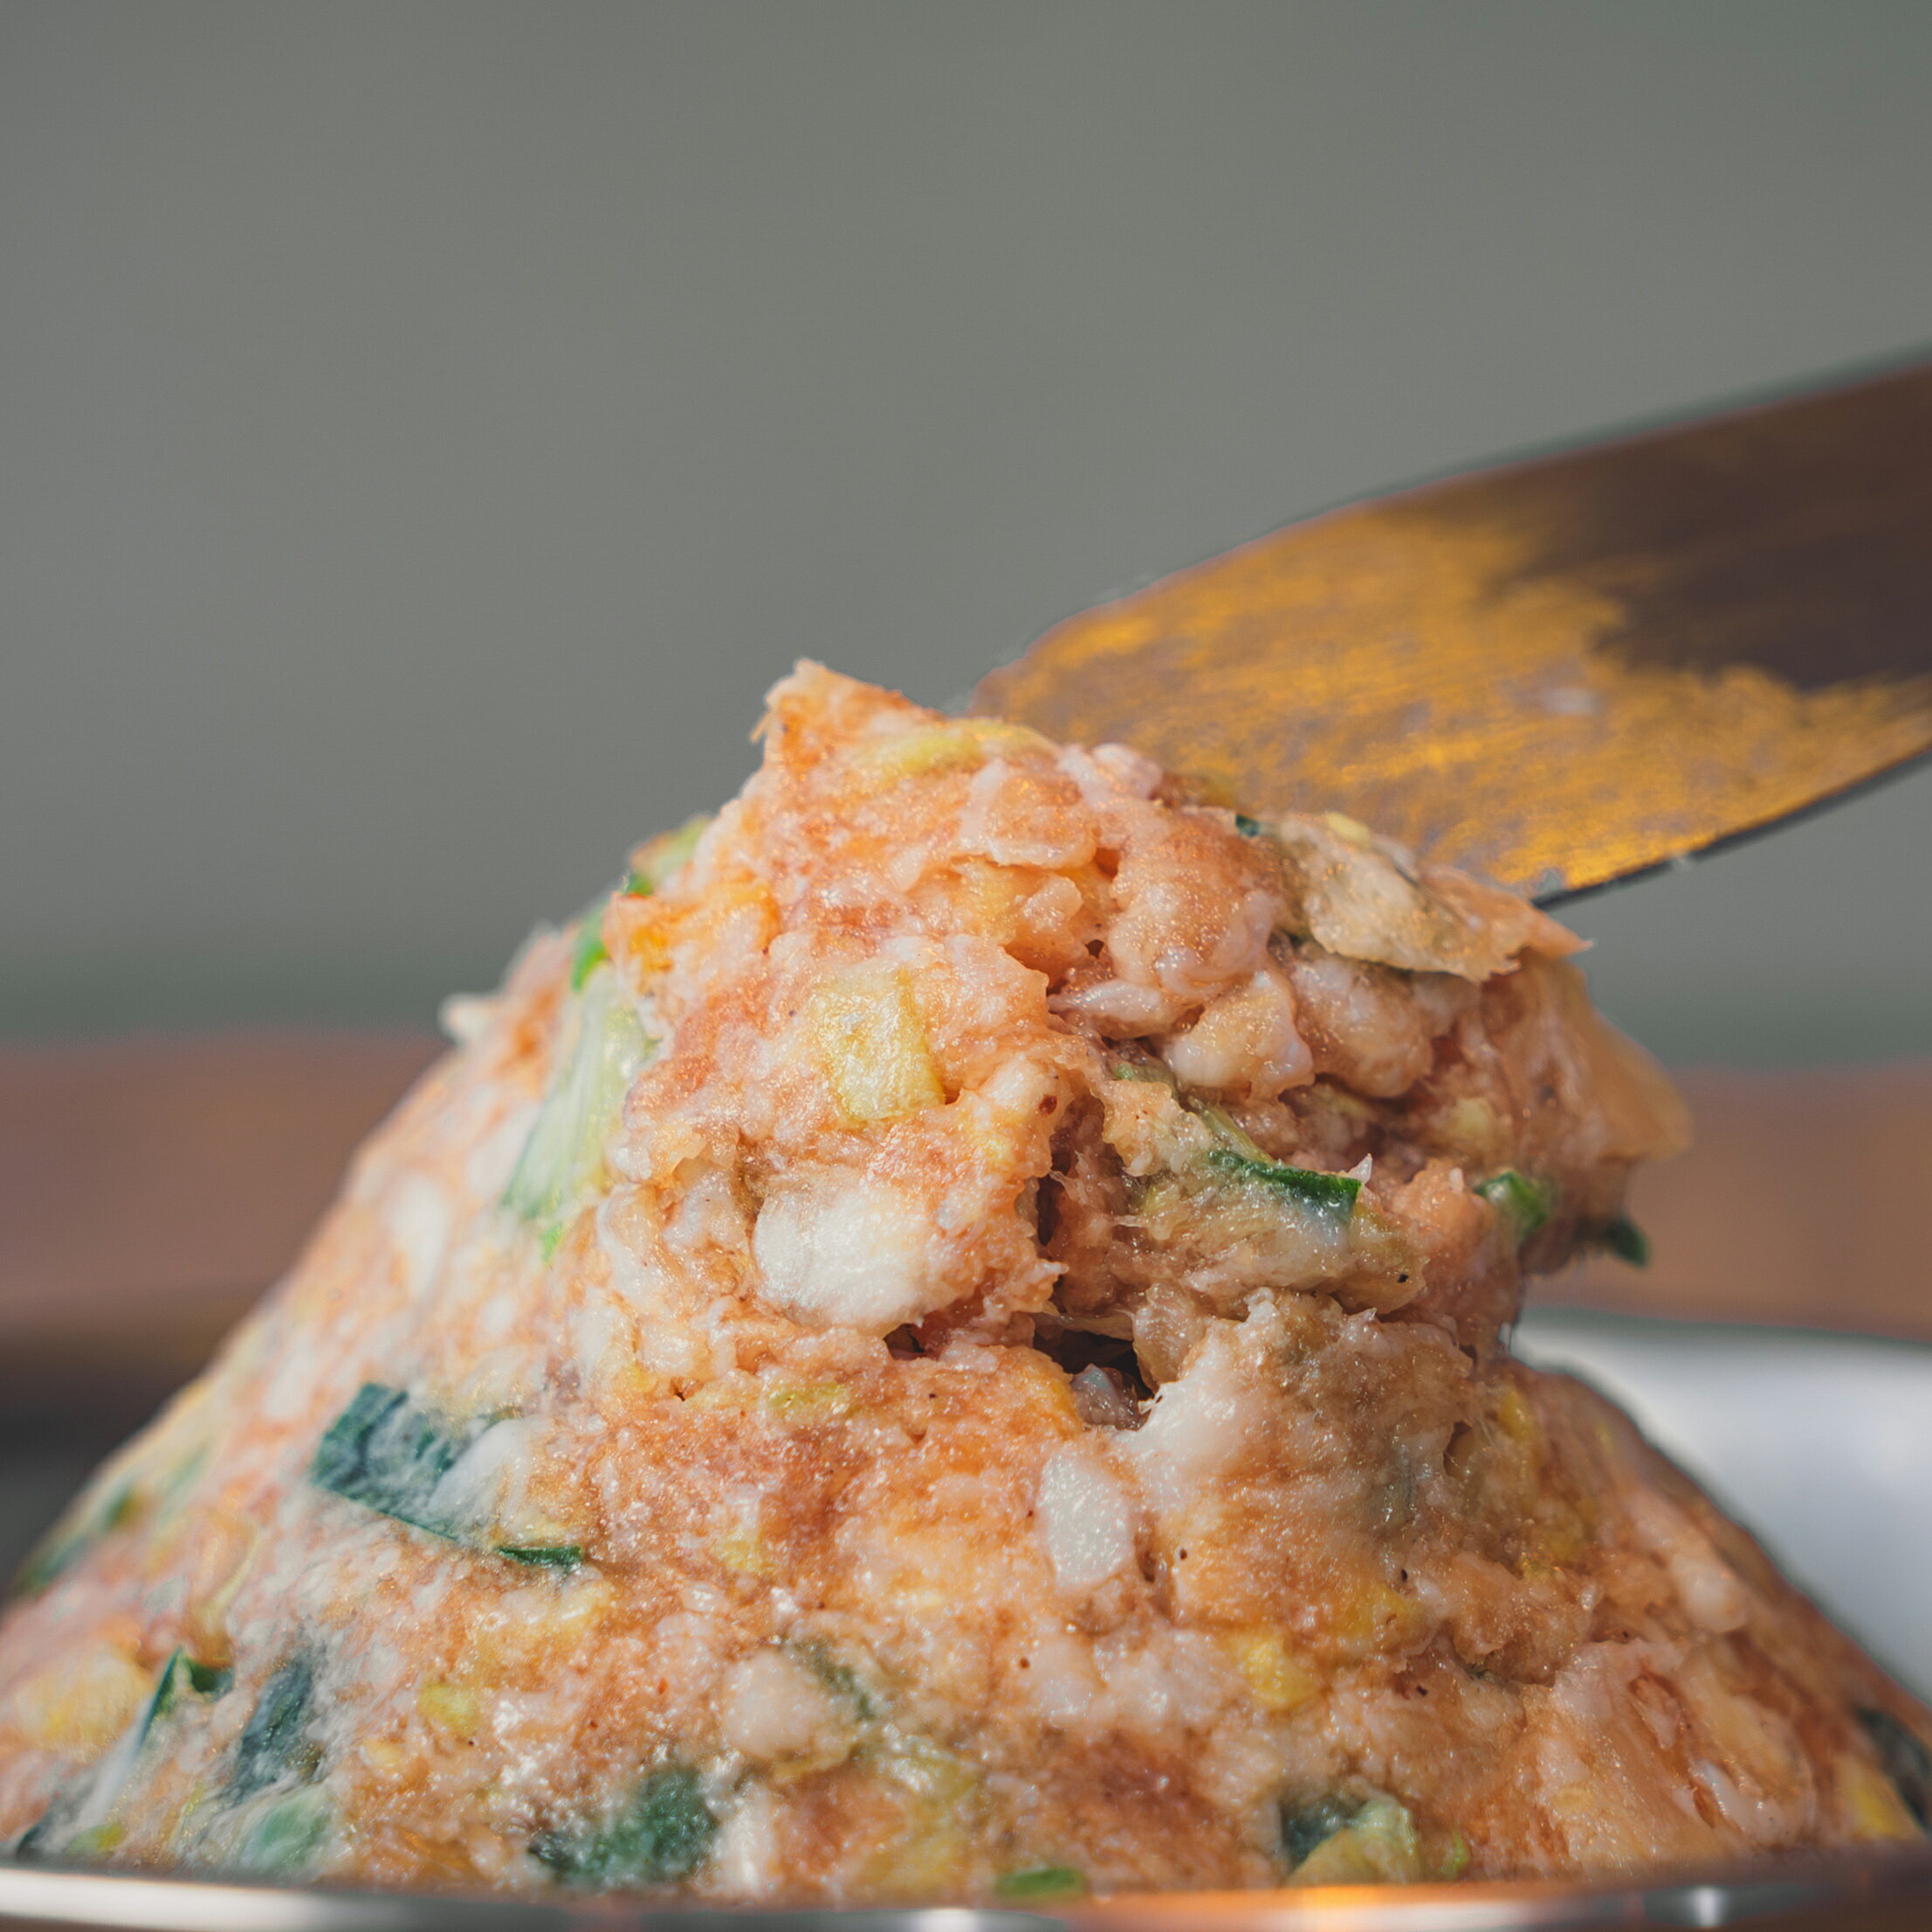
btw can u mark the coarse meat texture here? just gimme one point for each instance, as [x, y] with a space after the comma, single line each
[948, 1341]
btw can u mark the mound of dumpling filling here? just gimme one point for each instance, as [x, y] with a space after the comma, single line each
[948, 1340]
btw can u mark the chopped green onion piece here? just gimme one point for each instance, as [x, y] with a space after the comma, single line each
[1041, 1881]
[1248, 827]
[1307, 1825]
[663, 1834]
[563, 1159]
[72, 1536]
[1903, 1758]
[547, 1555]
[1240, 1159]
[208, 1680]
[284, 1841]
[1134, 1070]
[181, 1675]
[1227, 1129]
[275, 1740]
[387, 1454]
[664, 858]
[1627, 1241]
[1525, 1204]
[842, 1680]
[1328, 1193]
[590, 952]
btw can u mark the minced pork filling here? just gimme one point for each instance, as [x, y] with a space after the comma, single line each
[948, 1340]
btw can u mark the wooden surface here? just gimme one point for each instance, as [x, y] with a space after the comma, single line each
[148, 1191]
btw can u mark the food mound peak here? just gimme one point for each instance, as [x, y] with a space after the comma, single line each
[946, 1341]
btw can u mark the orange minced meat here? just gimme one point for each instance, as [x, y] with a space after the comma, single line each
[949, 1341]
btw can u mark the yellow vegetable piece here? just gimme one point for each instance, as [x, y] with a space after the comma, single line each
[958, 744]
[450, 1707]
[747, 1553]
[1877, 1812]
[1377, 1618]
[1261, 1656]
[937, 1794]
[871, 1042]
[84, 1705]
[808, 1402]
[1517, 1419]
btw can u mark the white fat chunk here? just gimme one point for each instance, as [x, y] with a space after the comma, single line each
[484, 1487]
[1060, 1679]
[1176, 1680]
[1121, 1006]
[1086, 1520]
[416, 1216]
[1246, 1041]
[1713, 1597]
[770, 1707]
[493, 1159]
[847, 1252]
[746, 1858]
[1198, 1427]
[465, 1017]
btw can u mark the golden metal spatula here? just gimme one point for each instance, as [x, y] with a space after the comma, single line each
[1559, 672]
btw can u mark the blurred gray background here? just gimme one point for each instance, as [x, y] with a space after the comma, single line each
[425, 430]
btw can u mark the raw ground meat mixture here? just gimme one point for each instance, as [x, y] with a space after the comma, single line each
[949, 1340]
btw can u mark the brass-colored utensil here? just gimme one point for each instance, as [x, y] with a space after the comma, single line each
[1560, 672]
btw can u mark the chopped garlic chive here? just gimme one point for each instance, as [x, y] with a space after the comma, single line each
[1333, 1843]
[661, 860]
[1902, 1758]
[182, 1676]
[842, 1680]
[563, 1161]
[1627, 1241]
[1226, 1129]
[663, 1834]
[589, 952]
[1248, 827]
[1524, 1204]
[1304, 1826]
[388, 1454]
[275, 1741]
[1041, 1881]
[1332, 1194]
[286, 1839]
[547, 1555]
[75, 1533]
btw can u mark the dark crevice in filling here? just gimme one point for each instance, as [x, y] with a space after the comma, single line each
[1109, 1389]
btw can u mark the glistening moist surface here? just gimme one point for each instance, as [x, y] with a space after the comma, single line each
[948, 1341]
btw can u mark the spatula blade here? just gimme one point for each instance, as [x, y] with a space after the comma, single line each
[1558, 673]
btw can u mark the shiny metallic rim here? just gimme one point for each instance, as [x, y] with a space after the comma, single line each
[1842, 1893]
